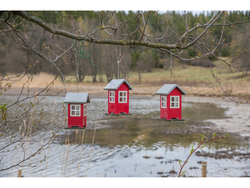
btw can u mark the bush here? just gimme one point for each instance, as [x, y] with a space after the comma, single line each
[224, 53]
[202, 63]
[192, 53]
[161, 66]
[211, 57]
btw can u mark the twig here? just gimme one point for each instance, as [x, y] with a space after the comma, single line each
[201, 145]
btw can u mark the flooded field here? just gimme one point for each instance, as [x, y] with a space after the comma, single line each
[107, 147]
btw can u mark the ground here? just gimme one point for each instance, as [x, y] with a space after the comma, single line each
[195, 81]
[239, 115]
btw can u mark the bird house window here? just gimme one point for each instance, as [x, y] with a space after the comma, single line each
[85, 109]
[174, 101]
[122, 96]
[163, 101]
[112, 96]
[75, 110]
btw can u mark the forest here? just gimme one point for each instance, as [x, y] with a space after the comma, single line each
[100, 61]
[206, 54]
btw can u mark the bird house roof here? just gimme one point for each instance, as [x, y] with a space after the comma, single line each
[167, 88]
[77, 98]
[116, 83]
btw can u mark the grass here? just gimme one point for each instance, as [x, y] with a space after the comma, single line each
[194, 80]
[193, 76]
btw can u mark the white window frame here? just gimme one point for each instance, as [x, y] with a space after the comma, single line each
[123, 97]
[164, 97]
[75, 110]
[112, 97]
[84, 109]
[176, 101]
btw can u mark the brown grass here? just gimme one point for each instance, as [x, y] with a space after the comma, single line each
[39, 80]
[193, 79]
[150, 82]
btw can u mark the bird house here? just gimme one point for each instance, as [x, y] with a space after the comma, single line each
[77, 109]
[118, 96]
[170, 101]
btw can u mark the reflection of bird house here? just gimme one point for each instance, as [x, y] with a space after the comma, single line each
[77, 109]
[170, 100]
[118, 96]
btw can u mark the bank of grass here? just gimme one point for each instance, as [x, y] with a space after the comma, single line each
[196, 80]
[193, 76]
[186, 75]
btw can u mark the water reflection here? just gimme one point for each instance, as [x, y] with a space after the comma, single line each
[111, 153]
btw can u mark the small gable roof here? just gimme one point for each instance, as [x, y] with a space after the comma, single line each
[77, 98]
[167, 88]
[116, 83]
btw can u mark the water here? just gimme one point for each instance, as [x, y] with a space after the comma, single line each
[107, 147]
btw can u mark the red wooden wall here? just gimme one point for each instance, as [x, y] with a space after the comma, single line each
[116, 107]
[80, 121]
[168, 112]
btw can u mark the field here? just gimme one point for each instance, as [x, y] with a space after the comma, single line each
[195, 80]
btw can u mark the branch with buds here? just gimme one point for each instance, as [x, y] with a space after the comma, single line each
[201, 145]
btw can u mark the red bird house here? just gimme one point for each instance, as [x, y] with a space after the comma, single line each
[170, 101]
[118, 96]
[77, 109]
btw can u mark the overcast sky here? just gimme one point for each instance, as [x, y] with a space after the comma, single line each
[195, 5]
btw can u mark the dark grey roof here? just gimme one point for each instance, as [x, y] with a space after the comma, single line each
[116, 83]
[77, 98]
[167, 88]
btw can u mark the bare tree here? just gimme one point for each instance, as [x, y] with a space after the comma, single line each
[241, 46]
[185, 40]
[111, 30]
[139, 67]
[125, 66]
[109, 64]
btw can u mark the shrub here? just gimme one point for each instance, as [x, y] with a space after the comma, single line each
[202, 63]
[161, 66]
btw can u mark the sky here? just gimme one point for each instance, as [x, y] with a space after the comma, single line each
[196, 6]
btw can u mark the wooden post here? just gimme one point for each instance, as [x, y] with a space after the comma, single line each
[34, 96]
[19, 173]
[204, 169]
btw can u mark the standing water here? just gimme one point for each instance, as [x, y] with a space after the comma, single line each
[122, 146]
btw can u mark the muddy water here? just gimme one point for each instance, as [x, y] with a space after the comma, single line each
[106, 147]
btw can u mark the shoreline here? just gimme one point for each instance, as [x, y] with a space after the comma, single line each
[141, 90]
[238, 116]
[238, 120]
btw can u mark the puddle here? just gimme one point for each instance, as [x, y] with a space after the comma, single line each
[116, 153]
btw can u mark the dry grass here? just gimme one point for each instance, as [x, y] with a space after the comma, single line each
[40, 80]
[196, 80]
[188, 75]
[191, 76]
[193, 79]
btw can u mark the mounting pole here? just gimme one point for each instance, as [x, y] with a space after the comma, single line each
[171, 66]
[118, 70]
[117, 61]
[77, 82]
[204, 169]
[19, 174]
[77, 71]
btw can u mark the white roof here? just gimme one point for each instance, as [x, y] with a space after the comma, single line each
[77, 98]
[116, 83]
[167, 88]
